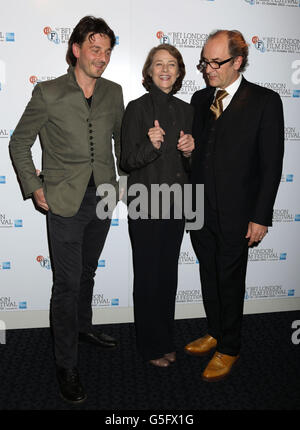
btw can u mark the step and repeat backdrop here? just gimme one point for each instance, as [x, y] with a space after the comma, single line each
[33, 42]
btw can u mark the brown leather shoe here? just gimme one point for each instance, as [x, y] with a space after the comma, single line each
[219, 367]
[201, 346]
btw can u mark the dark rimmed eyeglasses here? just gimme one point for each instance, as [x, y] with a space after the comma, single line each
[213, 64]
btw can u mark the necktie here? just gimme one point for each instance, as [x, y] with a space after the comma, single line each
[217, 106]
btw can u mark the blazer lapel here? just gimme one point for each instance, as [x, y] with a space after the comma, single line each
[210, 100]
[238, 100]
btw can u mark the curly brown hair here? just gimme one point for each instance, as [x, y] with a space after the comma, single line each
[87, 27]
[147, 80]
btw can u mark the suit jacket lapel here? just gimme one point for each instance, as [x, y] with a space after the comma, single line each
[238, 100]
[210, 100]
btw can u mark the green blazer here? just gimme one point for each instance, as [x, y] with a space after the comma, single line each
[76, 140]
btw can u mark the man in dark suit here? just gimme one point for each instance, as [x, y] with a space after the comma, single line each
[239, 134]
[76, 117]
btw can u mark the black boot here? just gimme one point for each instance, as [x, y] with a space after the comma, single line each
[70, 385]
[99, 339]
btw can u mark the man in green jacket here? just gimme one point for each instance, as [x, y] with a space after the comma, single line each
[76, 116]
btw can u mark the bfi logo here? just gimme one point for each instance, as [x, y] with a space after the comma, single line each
[2, 333]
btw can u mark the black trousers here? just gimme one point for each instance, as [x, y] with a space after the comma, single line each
[156, 247]
[75, 243]
[223, 264]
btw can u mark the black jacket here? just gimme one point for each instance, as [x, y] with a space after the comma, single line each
[144, 163]
[246, 155]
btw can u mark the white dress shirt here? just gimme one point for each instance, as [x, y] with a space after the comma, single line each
[231, 89]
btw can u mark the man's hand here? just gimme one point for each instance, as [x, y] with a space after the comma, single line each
[256, 232]
[186, 144]
[156, 135]
[40, 200]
